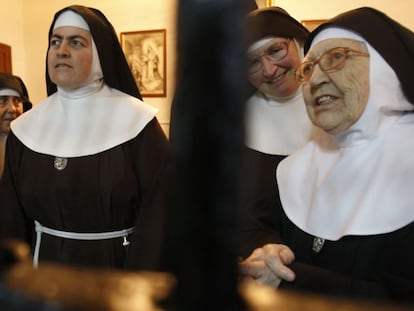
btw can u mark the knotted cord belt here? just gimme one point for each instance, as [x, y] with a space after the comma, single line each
[76, 236]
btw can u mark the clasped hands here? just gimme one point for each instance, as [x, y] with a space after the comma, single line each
[268, 265]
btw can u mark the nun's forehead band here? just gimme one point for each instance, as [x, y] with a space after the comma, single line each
[70, 18]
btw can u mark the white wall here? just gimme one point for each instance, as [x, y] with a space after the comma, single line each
[25, 23]
[401, 10]
[11, 33]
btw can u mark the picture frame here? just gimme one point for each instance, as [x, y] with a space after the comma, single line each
[145, 52]
[311, 24]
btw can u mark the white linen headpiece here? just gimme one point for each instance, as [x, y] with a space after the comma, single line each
[70, 18]
[333, 32]
[9, 92]
[259, 44]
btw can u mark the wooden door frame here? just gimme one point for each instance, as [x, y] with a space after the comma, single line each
[5, 58]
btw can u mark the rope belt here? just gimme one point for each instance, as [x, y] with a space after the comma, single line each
[76, 236]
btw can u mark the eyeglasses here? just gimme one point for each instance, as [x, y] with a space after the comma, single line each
[274, 53]
[329, 61]
[4, 100]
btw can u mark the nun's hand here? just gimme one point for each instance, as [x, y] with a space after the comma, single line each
[268, 265]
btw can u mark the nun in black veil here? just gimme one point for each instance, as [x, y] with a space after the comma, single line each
[82, 168]
[347, 201]
[14, 100]
[276, 122]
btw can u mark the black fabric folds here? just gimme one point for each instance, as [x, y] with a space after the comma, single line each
[273, 22]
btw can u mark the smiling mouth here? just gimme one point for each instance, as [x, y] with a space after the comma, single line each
[279, 77]
[324, 100]
[276, 79]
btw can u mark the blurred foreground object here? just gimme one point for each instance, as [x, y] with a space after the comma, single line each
[88, 289]
[13, 251]
[262, 298]
[206, 136]
[54, 287]
[71, 289]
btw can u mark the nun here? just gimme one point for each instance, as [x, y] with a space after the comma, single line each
[276, 123]
[82, 167]
[14, 100]
[347, 196]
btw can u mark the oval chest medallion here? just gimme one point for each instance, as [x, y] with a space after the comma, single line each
[317, 244]
[60, 163]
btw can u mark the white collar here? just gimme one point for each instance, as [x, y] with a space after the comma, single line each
[84, 125]
[359, 182]
[276, 127]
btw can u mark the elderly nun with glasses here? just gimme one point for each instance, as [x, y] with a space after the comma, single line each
[275, 118]
[348, 196]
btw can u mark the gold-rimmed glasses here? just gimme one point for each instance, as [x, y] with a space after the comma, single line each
[273, 53]
[332, 60]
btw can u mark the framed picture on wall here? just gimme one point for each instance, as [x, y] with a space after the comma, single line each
[145, 52]
[311, 24]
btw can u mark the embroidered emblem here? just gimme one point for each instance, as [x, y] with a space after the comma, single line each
[317, 244]
[60, 163]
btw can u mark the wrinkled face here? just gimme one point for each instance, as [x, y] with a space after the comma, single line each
[275, 78]
[335, 99]
[10, 108]
[69, 57]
